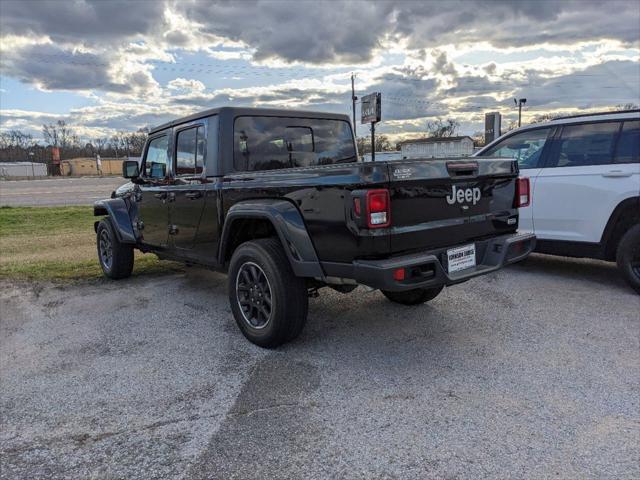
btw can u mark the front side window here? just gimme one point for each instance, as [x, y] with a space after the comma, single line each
[155, 163]
[269, 143]
[190, 151]
[525, 147]
[628, 149]
[585, 145]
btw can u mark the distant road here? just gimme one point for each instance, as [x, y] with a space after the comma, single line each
[57, 191]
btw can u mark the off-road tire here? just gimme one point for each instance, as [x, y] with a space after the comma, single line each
[628, 257]
[121, 259]
[288, 293]
[416, 296]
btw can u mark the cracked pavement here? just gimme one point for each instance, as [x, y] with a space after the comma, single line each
[530, 372]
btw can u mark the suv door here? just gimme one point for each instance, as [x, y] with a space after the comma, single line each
[529, 149]
[580, 185]
[153, 212]
[187, 191]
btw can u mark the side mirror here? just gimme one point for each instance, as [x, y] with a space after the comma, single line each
[130, 169]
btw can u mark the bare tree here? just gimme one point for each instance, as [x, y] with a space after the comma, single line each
[99, 144]
[59, 135]
[383, 144]
[443, 128]
[626, 106]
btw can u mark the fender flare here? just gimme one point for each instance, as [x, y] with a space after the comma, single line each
[290, 227]
[118, 212]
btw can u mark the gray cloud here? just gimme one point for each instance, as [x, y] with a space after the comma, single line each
[81, 21]
[329, 31]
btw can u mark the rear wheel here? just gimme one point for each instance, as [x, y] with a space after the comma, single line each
[268, 301]
[413, 297]
[116, 259]
[628, 257]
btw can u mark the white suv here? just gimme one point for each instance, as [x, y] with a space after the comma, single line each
[585, 181]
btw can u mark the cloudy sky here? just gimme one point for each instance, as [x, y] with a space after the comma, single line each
[109, 65]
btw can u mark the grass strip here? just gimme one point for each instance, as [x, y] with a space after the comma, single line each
[58, 244]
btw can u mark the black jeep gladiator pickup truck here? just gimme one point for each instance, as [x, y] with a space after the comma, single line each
[278, 200]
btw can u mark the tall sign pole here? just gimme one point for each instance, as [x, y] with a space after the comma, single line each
[353, 102]
[371, 112]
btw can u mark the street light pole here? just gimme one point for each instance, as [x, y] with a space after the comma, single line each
[519, 103]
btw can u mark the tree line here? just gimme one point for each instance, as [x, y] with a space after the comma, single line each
[18, 146]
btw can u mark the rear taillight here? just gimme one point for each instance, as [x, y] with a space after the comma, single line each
[523, 193]
[378, 208]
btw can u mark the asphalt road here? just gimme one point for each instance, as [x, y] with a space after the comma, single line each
[532, 372]
[57, 191]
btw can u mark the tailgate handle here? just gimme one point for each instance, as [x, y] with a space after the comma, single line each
[462, 169]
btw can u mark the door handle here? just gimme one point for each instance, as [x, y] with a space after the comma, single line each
[193, 195]
[616, 173]
[160, 196]
[171, 197]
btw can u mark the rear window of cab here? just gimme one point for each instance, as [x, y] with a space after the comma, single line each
[271, 143]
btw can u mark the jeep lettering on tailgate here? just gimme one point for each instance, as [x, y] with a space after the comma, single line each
[467, 195]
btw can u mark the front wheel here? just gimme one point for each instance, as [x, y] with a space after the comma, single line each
[116, 259]
[413, 297]
[628, 257]
[268, 301]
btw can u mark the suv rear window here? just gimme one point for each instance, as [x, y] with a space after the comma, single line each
[587, 144]
[629, 143]
[270, 143]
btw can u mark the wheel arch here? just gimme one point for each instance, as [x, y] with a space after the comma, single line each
[118, 213]
[267, 218]
[624, 216]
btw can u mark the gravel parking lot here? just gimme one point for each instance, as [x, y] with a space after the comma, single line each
[530, 372]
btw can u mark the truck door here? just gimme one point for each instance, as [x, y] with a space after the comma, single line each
[187, 191]
[153, 210]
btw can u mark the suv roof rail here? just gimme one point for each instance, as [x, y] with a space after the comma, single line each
[595, 114]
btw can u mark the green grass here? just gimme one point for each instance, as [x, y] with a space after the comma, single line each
[37, 220]
[58, 244]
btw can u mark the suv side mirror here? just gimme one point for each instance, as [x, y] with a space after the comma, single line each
[130, 169]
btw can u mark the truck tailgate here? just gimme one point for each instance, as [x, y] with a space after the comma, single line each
[447, 202]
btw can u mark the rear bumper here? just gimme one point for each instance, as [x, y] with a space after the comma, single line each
[429, 269]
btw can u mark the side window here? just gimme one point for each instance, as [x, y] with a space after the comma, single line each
[628, 150]
[268, 143]
[190, 151]
[584, 145]
[155, 162]
[259, 144]
[525, 147]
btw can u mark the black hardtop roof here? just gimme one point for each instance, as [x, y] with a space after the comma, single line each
[239, 111]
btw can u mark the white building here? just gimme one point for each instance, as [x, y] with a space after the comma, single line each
[22, 170]
[437, 147]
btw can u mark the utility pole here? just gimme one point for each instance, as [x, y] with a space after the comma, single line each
[353, 102]
[519, 103]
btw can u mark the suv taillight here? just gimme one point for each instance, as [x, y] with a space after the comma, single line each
[523, 193]
[378, 208]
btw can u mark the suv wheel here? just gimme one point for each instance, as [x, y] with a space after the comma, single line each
[628, 257]
[413, 297]
[116, 259]
[268, 301]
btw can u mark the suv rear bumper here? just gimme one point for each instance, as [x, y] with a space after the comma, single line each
[428, 269]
